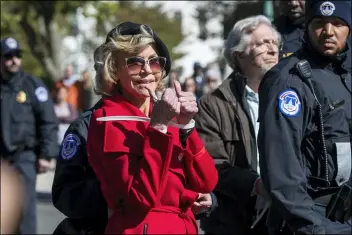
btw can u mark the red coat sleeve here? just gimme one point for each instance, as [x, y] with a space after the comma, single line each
[200, 167]
[135, 178]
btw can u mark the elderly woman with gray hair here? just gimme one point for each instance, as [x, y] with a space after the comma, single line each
[227, 122]
[149, 159]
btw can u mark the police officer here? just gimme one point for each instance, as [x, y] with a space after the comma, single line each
[28, 127]
[76, 190]
[291, 25]
[305, 133]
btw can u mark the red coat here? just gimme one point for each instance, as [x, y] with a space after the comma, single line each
[148, 178]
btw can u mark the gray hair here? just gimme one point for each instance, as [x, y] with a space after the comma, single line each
[105, 58]
[239, 37]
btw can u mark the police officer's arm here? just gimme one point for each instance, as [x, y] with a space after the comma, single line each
[46, 121]
[281, 161]
[76, 190]
[235, 182]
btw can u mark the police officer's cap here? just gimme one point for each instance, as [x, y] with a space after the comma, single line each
[9, 45]
[338, 8]
[130, 28]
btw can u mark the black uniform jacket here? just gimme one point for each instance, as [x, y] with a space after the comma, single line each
[76, 191]
[291, 161]
[292, 35]
[28, 119]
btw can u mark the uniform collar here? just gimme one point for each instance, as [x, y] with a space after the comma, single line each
[13, 79]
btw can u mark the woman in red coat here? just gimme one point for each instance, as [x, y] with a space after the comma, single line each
[151, 173]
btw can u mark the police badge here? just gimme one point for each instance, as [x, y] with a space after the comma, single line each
[21, 97]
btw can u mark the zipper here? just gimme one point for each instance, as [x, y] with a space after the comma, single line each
[145, 229]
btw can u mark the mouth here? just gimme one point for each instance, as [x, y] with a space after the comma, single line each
[270, 60]
[328, 43]
[143, 81]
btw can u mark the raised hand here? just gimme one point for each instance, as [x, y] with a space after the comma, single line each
[188, 104]
[165, 109]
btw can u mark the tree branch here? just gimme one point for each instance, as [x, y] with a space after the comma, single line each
[44, 60]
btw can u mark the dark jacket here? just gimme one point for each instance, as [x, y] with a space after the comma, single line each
[291, 160]
[224, 124]
[76, 190]
[28, 120]
[292, 35]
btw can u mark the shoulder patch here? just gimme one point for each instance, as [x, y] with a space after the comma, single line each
[69, 146]
[41, 93]
[289, 103]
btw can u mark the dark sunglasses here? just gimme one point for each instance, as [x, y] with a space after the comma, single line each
[10, 55]
[135, 64]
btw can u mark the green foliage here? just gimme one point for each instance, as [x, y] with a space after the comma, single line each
[168, 29]
[231, 12]
[39, 26]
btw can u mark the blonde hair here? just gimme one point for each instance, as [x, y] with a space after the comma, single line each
[105, 58]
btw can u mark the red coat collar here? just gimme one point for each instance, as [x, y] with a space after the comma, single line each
[118, 105]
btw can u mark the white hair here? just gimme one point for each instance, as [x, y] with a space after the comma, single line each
[239, 37]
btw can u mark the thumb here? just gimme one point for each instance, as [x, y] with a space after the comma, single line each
[178, 88]
[152, 94]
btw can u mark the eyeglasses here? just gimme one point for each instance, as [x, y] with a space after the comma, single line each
[10, 55]
[268, 43]
[135, 64]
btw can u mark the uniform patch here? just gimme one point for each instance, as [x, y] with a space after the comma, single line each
[11, 43]
[289, 103]
[42, 94]
[327, 8]
[69, 146]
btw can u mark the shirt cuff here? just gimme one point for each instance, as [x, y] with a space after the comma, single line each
[254, 192]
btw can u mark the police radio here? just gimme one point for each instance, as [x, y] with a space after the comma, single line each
[305, 72]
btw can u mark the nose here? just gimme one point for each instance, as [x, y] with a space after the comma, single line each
[272, 47]
[328, 30]
[147, 68]
[293, 3]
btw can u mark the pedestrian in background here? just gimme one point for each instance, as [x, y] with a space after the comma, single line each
[71, 82]
[227, 123]
[190, 85]
[64, 111]
[28, 128]
[291, 25]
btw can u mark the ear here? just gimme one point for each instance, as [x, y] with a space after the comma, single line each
[238, 55]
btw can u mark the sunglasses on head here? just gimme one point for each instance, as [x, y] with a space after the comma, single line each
[135, 64]
[10, 55]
